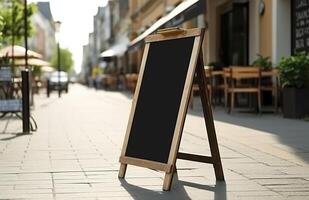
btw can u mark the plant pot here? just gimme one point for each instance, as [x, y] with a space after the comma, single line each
[295, 102]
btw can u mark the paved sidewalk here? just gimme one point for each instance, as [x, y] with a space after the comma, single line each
[74, 154]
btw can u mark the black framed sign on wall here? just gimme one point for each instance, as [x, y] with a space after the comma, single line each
[300, 25]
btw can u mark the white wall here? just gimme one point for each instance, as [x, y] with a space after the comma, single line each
[254, 30]
[281, 29]
[210, 42]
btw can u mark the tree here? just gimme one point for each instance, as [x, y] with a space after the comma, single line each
[12, 13]
[66, 60]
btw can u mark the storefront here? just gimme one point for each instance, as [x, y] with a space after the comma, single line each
[238, 30]
[232, 37]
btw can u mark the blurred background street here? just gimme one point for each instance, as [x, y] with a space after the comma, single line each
[78, 62]
[74, 154]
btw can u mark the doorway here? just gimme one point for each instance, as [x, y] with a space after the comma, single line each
[234, 35]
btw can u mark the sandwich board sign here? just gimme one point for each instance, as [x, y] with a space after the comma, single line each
[170, 60]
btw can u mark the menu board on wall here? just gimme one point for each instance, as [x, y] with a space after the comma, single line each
[300, 25]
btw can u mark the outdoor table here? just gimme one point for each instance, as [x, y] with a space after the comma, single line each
[273, 86]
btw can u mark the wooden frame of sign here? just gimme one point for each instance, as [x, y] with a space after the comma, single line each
[195, 66]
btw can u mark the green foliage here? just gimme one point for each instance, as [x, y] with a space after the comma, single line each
[217, 65]
[262, 62]
[13, 21]
[66, 60]
[294, 71]
[36, 71]
[4, 61]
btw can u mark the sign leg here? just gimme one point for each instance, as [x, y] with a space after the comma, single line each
[168, 181]
[122, 170]
[211, 132]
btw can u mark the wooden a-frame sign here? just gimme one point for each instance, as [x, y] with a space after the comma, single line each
[170, 60]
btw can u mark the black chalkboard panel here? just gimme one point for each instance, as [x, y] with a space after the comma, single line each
[300, 26]
[159, 99]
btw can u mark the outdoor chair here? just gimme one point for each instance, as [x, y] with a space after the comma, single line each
[270, 83]
[217, 87]
[195, 86]
[241, 80]
[131, 81]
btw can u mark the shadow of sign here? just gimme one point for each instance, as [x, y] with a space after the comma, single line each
[178, 192]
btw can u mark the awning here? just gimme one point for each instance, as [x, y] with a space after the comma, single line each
[117, 49]
[199, 6]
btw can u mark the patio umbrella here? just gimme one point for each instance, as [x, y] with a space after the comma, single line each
[19, 52]
[32, 62]
[47, 69]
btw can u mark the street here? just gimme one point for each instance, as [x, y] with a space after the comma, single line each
[75, 152]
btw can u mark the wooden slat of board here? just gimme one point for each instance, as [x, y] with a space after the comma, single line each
[182, 112]
[194, 157]
[134, 101]
[146, 163]
[122, 170]
[177, 35]
[157, 107]
[184, 102]
[209, 121]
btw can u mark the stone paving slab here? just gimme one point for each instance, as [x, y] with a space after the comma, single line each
[74, 154]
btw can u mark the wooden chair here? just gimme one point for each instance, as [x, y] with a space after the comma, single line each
[233, 81]
[271, 84]
[209, 78]
[195, 88]
[217, 87]
[131, 81]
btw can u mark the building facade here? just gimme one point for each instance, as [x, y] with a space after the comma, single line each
[102, 30]
[109, 38]
[98, 41]
[236, 30]
[43, 40]
[120, 33]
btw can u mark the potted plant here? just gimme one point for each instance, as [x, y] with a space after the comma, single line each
[216, 65]
[263, 62]
[294, 76]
